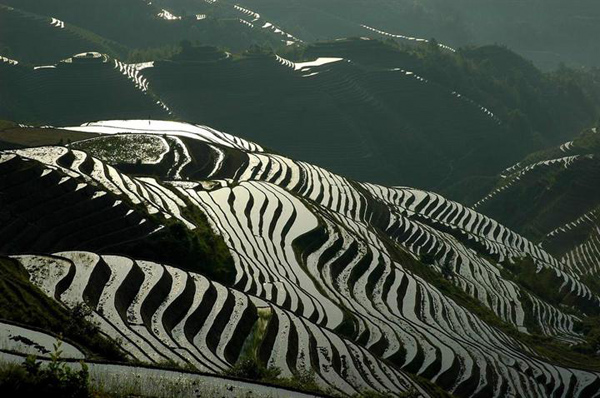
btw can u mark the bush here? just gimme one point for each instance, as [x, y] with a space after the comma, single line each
[374, 394]
[57, 379]
[251, 369]
[590, 327]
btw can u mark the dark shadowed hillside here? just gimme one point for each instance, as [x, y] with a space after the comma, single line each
[367, 109]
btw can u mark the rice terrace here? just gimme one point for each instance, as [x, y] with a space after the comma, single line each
[206, 198]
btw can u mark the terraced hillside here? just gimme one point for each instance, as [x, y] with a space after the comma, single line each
[363, 108]
[133, 24]
[40, 40]
[364, 285]
[336, 113]
[90, 85]
[162, 313]
[560, 31]
[552, 196]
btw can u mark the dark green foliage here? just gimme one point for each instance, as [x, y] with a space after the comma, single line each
[373, 394]
[347, 327]
[56, 378]
[199, 250]
[251, 369]
[427, 258]
[153, 53]
[544, 283]
[538, 108]
[590, 327]
[447, 270]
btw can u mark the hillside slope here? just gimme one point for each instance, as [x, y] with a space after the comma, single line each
[134, 24]
[370, 110]
[364, 285]
[547, 32]
[552, 196]
[39, 40]
[89, 88]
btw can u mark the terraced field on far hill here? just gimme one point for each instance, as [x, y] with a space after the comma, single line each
[39, 39]
[557, 195]
[341, 115]
[366, 109]
[90, 84]
[362, 285]
[364, 115]
[44, 31]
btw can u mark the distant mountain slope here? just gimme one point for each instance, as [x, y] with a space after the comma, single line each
[90, 88]
[36, 39]
[137, 24]
[370, 110]
[373, 124]
[548, 32]
[553, 197]
[353, 273]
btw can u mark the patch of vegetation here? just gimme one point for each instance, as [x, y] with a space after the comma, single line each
[251, 368]
[7, 124]
[199, 250]
[590, 327]
[347, 328]
[22, 302]
[427, 258]
[56, 378]
[544, 283]
[128, 148]
[252, 344]
[374, 394]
